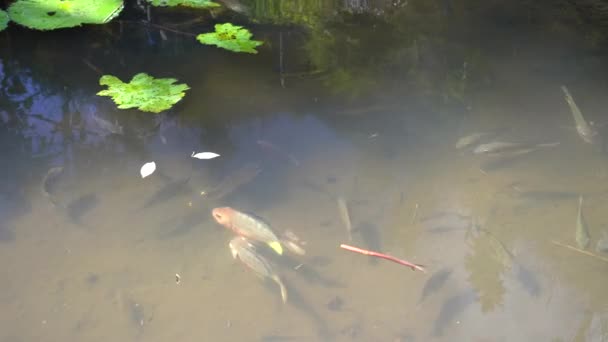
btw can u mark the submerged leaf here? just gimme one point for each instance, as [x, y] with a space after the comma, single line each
[230, 37]
[485, 266]
[147, 169]
[143, 92]
[54, 14]
[3, 20]
[186, 3]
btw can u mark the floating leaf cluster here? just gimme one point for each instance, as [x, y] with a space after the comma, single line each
[186, 3]
[230, 37]
[54, 14]
[3, 20]
[144, 92]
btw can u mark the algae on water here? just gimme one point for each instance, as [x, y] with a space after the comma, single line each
[144, 92]
[55, 14]
[230, 37]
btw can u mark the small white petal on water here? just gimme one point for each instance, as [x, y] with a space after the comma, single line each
[205, 155]
[147, 169]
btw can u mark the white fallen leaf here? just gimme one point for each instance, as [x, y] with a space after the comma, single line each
[205, 155]
[147, 169]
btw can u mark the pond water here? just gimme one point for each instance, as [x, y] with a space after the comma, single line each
[366, 106]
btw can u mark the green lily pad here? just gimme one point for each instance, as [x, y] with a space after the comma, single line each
[4, 19]
[54, 14]
[144, 92]
[230, 37]
[186, 3]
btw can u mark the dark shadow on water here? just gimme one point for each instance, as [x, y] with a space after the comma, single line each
[184, 224]
[300, 267]
[371, 237]
[297, 301]
[79, 207]
[435, 283]
[175, 188]
[528, 280]
[451, 308]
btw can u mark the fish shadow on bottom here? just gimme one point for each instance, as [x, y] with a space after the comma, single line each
[528, 280]
[77, 208]
[435, 283]
[371, 238]
[297, 301]
[186, 223]
[451, 308]
[302, 269]
[168, 191]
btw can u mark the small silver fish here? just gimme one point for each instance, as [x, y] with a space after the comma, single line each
[343, 209]
[514, 149]
[107, 126]
[585, 130]
[246, 252]
[582, 233]
[471, 139]
[233, 181]
[496, 146]
[267, 145]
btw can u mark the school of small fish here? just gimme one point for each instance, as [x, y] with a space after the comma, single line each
[252, 235]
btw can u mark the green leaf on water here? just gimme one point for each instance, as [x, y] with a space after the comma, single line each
[186, 3]
[3, 20]
[230, 37]
[54, 14]
[144, 92]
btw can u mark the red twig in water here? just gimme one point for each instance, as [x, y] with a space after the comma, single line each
[384, 256]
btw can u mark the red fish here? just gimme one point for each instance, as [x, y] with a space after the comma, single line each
[248, 226]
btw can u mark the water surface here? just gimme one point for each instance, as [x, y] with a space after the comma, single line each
[370, 108]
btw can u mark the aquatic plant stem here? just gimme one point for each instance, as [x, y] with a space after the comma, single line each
[580, 251]
[383, 256]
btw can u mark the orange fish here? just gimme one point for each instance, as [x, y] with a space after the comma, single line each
[248, 226]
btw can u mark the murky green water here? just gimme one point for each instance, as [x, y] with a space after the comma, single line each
[367, 107]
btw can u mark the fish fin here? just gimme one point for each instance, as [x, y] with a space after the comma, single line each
[283, 288]
[276, 246]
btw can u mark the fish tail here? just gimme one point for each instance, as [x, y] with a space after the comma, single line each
[283, 288]
[276, 246]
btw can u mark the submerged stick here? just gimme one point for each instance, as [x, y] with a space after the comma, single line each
[383, 256]
[92, 66]
[580, 251]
